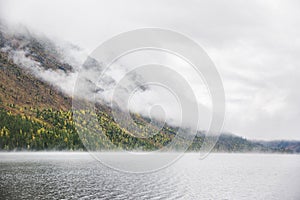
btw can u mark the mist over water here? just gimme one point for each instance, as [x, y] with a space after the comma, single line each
[218, 176]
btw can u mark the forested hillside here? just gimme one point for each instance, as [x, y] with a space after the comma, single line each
[35, 115]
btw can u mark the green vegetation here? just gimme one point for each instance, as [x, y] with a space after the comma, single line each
[55, 130]
[48, 130]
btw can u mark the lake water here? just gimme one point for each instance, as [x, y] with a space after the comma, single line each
[219, 176]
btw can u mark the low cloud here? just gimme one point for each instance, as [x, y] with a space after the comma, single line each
[255, 46]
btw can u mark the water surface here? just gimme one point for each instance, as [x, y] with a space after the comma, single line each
[219, 176]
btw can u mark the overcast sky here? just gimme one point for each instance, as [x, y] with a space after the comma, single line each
[254, 44]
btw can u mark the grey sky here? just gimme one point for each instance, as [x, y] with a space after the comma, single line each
[254, 44]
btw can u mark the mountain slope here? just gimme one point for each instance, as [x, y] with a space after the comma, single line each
[19, 86]
[36, 115]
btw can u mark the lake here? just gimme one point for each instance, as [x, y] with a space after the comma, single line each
[65, 175]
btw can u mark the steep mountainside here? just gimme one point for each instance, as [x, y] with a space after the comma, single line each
[19, 86]
[36, 115]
